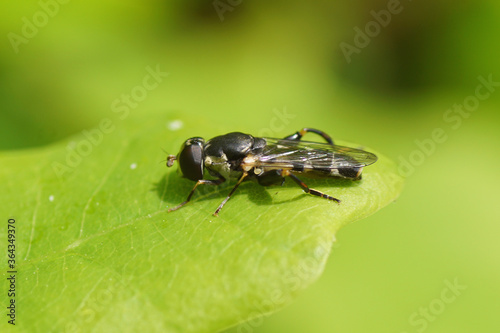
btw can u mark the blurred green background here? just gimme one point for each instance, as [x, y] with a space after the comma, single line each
[272, 68]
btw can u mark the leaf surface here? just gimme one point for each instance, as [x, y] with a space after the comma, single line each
[97, 250]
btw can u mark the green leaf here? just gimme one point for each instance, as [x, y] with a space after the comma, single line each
[96, 249]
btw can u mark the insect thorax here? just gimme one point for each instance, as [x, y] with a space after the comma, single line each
[221, 166]
[224, 155]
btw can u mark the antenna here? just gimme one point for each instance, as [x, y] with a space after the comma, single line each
[170, 160]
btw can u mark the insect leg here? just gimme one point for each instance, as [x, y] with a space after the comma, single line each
[299, 134]
[230, 193]
[199, 182]
[306, 188]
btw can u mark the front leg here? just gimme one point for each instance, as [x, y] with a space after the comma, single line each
[199, 182]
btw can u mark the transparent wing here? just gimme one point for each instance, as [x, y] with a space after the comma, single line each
[283, 153]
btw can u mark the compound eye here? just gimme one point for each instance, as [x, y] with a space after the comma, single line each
[191, 159]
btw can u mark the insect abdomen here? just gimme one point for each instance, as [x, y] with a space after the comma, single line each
[353, 173]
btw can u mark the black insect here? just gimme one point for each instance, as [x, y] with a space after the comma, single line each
[267, 160]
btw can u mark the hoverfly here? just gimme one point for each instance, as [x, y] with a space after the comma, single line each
[267, 160]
